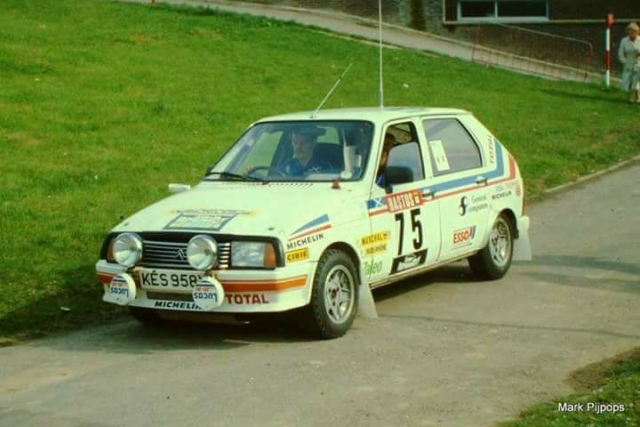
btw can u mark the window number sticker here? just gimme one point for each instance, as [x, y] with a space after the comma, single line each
[442, 164]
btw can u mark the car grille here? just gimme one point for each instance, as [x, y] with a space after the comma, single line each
[174, 255]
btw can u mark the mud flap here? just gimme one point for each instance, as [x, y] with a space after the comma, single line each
[366, 304]
[522, 246]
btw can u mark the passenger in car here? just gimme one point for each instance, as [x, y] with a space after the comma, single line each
[389, 142]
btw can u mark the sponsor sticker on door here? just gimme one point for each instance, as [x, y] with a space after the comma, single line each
[374, 243]
[463, 237]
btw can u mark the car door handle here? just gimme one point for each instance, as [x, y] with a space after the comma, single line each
[481, 180]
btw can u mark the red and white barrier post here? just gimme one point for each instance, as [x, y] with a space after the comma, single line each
[607, 55]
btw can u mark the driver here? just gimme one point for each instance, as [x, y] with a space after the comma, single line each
[303, 142]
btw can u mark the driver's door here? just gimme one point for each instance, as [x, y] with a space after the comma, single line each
[407, 217]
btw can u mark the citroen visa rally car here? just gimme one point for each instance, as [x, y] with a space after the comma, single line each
[309, 211]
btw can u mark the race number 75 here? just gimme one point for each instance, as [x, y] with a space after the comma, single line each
[416, 229]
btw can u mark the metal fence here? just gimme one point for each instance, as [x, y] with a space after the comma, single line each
[532, 51]
[400, 12]
[520, 49]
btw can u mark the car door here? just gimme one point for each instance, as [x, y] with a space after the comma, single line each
[405, 224]
[459, 183]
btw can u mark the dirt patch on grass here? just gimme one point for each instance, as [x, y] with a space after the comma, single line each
[593, 376]
[22, 138]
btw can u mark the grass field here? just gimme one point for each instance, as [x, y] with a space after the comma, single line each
[102, 104]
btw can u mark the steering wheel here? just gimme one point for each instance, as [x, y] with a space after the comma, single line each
[266, 168]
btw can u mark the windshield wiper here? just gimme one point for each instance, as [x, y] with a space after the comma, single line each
[236, 175]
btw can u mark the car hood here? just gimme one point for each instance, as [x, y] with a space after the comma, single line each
[274, 209]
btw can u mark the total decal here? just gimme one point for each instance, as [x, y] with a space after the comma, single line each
[409, 261]
[203, 219]
[246, 299]
[472, 204]
[375, 243]
[463, 237]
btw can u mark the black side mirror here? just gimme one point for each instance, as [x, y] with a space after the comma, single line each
[394, 175]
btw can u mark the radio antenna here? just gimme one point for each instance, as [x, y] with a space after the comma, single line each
[381, 89]
[335, 85]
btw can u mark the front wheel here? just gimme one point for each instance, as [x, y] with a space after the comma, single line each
[494, 260]
[334, 296]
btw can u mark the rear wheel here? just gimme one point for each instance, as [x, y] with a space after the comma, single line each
[494, 260]
[147, 317]
[334, 296]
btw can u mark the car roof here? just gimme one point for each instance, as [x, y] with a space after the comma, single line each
[374, 114]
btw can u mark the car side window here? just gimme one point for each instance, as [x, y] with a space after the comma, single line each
[452, 148]
[405, 154]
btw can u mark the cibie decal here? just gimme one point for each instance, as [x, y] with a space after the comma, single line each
[213, 220]
[403, 201]
[407, 262]
[472, 204]
[305, 241]
[463, 237]
[297, 255]
[374, 243]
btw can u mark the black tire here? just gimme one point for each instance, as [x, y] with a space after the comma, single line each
[494, 260]
[148, 317]
[328, 315]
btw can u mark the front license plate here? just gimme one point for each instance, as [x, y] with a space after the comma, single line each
[169, 279]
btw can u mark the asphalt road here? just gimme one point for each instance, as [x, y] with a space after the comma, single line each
[446, 350]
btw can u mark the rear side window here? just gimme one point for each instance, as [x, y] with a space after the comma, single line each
[452, 148]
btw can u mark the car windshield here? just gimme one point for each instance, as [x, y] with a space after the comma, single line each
[297, 151]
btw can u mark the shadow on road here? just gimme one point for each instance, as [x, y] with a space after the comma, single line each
[588, 272]
[131, 337]
[510, 326]
[454, 273]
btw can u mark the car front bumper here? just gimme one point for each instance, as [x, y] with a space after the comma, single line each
[245, 291]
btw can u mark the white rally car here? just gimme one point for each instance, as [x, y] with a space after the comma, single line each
[309, 211]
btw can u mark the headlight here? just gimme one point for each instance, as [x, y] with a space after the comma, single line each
[127, 249]
[202, 252]
[253, 254]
